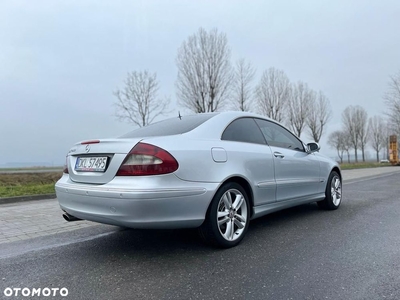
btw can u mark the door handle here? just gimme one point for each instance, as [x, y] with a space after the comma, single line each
[278, 154]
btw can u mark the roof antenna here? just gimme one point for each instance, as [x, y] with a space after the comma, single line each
[179, 115]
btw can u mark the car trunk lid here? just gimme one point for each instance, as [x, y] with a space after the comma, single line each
[97, 161]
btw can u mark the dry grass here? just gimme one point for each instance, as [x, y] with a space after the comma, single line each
[22, 184]
[12, 179]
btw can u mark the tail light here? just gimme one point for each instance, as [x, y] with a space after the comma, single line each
[145, 159]
[65, 169]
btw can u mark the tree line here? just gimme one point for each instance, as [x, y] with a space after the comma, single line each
[207, 81]
[358, 130]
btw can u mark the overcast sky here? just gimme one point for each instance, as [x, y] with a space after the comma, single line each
[61, 61]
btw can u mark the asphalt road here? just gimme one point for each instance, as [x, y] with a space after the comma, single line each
[300, 253]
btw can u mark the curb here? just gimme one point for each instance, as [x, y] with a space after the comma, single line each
[26, 198]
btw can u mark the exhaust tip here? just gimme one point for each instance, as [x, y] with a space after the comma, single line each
[69, 218]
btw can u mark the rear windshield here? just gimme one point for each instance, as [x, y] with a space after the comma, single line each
[172, 126]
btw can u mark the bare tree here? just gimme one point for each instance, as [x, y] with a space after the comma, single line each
[273, 94]
[337, 140]
[204, 71]
[392, 101]
[361, 118]
[137, 101]
[355, 120]
[244, 74]
[299, 106]
[376, 130]
[350, 128]
[386, 133]
[347, 144]
[319, 115]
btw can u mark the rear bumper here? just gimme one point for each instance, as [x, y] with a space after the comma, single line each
[180, 205]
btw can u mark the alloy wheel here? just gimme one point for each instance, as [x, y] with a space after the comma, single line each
[336, 190]
[232, 214]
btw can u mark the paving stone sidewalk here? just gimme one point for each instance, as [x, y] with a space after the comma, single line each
[25, 220]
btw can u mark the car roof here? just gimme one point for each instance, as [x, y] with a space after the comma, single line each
[214, 127]
[205, 125]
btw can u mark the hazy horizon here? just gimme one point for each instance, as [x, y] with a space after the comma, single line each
[61, 61]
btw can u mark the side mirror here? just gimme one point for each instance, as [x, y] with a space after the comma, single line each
[313, 147]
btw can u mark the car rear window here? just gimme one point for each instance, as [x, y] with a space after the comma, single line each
[172, 126]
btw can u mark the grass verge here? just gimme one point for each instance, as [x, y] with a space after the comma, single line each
[27, 184]
[26, 190]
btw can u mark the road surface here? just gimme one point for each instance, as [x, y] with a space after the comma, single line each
[299, 253]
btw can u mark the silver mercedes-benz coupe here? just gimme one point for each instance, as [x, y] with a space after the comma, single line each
[214, 171]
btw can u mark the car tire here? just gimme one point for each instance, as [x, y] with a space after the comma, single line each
[227, 218]
[333, 192]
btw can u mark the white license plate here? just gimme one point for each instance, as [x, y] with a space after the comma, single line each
[91, 164]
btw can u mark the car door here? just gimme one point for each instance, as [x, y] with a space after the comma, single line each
[250, 156]
[296, 171]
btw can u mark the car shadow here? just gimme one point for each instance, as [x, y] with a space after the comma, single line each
[167, 241]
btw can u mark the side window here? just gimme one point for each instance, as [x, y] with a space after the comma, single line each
[278, 136]
[243, 130]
